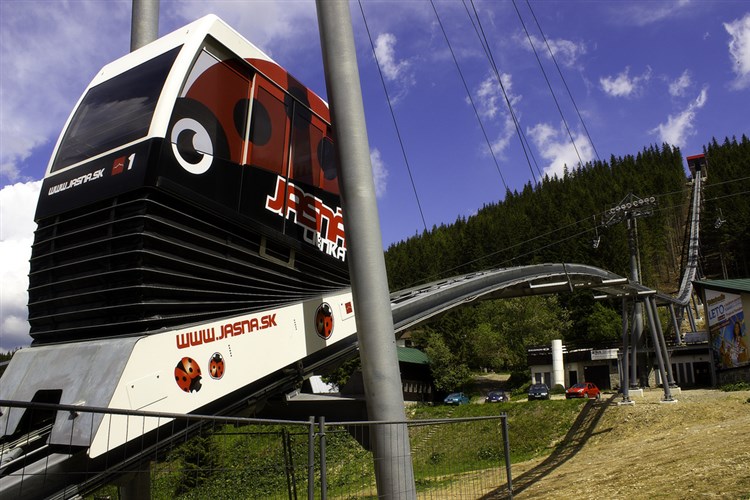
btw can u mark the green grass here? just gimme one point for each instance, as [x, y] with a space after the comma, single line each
[229, 463]
[534, 427]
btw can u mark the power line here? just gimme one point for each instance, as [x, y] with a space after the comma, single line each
[468, 93]
[488, 52]
[393, 117]
[566, 238]
[726, 182]
[552, 55]
[549, 86]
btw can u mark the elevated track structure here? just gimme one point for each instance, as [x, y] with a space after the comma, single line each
[691, 262]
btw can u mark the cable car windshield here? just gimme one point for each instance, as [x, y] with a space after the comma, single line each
[115, 112]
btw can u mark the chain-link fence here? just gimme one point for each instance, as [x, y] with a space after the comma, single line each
[191, 456]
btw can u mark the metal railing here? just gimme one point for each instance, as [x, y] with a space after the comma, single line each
[196, 456]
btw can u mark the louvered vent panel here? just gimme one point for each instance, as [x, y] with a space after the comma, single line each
[146, 261]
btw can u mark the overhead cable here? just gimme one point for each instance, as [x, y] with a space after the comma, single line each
[468, 93]
[393, 117]
[549, 86]
[554, 60]
[488, 52]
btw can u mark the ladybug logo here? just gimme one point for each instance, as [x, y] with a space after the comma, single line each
[324, 321]
[216, 366]
[187, 374]
[192, 146]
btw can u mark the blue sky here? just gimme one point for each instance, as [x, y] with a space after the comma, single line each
[641, 73]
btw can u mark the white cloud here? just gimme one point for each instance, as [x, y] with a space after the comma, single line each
[268, 24]
[739, 50]
[678, 87]
[379, 173]
[17, 205]
[70, 40]
[491, 105]
[645, 13]
[489, 97]
[682, 125]
[505, 136]
[385, 52]
[566, 52]
[555, 146]
[623, 85]
[394, 70]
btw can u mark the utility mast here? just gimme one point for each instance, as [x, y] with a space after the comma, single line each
[144, 29]
[385, 402]
[629, 210]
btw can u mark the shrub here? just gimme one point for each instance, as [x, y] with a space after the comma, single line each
[558, 389]
[736, 386]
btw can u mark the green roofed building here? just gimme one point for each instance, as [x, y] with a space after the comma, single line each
[416, 379]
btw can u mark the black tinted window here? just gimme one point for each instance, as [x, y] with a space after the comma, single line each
[115, 112]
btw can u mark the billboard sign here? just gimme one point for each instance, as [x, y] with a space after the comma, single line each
[598, 354]
[727, 328]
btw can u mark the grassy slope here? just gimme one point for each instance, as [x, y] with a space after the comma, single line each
[237, 466]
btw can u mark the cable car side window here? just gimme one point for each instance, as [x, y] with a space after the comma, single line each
[268, 129]
[115, 112]
[312, 152]
[210, 117]
[304, 137]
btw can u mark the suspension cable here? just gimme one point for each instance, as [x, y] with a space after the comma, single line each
[552, 55]
[549, 86]
[563, 239]
[468, 93]
[488, 52]
[393, 117]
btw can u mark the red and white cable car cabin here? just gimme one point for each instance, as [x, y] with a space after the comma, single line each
[194, 179]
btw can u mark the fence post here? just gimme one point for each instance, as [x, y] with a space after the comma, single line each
[322, 443]
[506, 447]
[291, 483]
[311, 459]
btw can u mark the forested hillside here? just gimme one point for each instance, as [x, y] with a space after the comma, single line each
[726, 197]
[556, 221]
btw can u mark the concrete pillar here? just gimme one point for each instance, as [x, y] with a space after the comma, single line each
[558, 369]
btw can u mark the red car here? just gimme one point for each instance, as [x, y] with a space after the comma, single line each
[584, 390]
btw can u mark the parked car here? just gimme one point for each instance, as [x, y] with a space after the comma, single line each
[497, 397]
[584, 390]
[538, 391]
[456, 398]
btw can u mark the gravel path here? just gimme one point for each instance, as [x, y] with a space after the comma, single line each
[698, 447]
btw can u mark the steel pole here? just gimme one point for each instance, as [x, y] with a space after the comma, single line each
[662, 342]
[311, 458]
[657, 351]
[377, 343]
[637, 329]
[691, 319]
[323, 464]
[695, 305]
[675, 324]
[635, 334]
[506, 451]
[625, 381]
[144, 27]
